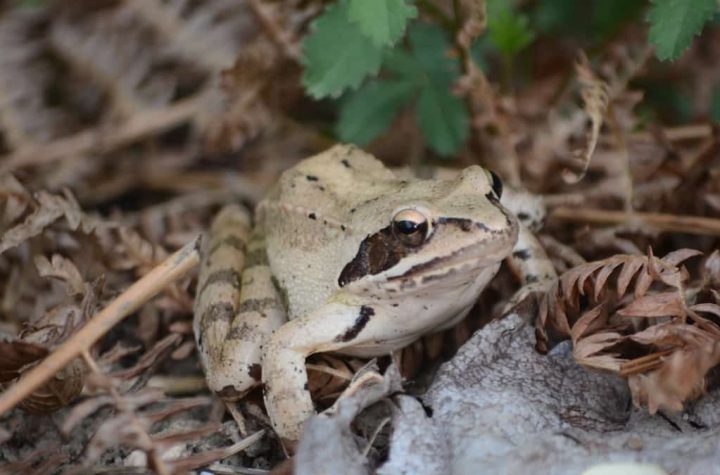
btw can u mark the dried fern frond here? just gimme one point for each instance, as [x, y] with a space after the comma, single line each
[208, 34]
[596, 99]
[25, 78]
[637, 316]
[113, 49]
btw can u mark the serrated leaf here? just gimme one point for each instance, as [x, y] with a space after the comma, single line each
[508, 30]
[443, 119]
[337, 55]
[371, 109]
[383, 21]
[715, 105]
[403, 64]
[673, 23]
[432, 50]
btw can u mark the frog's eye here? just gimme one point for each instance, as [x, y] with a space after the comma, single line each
[410, 227]
[497, 185]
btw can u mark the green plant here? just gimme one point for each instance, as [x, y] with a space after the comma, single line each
[356, 39]
[673, 23]
[378, 57]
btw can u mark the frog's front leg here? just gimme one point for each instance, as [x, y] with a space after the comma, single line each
[528, 259]
[331, 328]
[237, 305]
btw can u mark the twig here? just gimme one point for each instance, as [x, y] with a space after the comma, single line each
[144, 439]
[677, 134]
[202, 459]
[659, 221]
[624, 156]
[173, 268]
[643, 364]
[277, 34]
[103, 138]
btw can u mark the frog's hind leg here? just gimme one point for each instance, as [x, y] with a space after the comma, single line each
[237, 305]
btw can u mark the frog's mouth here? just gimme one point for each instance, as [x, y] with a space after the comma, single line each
[382, 257]
[462, 264]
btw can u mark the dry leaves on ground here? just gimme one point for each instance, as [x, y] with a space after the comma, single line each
[641, 317]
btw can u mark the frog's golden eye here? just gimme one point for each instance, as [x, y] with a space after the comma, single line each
[410, 227]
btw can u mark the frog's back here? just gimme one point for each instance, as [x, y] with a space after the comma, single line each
[332, 182]
[306, 220]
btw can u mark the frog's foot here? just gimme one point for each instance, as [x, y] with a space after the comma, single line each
[331, 328]
[525, 300]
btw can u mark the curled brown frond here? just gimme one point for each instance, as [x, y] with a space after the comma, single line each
[638, 316]
[595, 97]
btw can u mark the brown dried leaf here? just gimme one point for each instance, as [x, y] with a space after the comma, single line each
[602, 277]
[62, 389]
[711, 269]
[663, 304]
[63, 269]
[629, 269]
[49, 209]
[83, 410]
[14, 200]
[707, 308]
[680, 378]
[672, 333]
[137, 253]
[591, 320]
[16, 355]
[675, 258]
[595, 96]
[643, 282]
[151, 357]
[588, 351]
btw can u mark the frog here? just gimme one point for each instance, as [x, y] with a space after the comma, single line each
[346, 255]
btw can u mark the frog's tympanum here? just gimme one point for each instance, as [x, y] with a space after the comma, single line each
[346, 256]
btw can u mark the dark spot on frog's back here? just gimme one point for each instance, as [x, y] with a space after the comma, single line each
[357, 326]
[345, 163]
[312, 216]
[311, 178]
[255, 371]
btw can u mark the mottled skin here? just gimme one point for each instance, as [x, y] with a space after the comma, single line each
[326, 268]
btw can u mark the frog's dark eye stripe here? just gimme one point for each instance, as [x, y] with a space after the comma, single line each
[410, 227]
[380, 251]
[497, 185]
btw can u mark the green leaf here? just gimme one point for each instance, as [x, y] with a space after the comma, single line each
[509, 30]
[673, 23]
[431, 49]
[715, 105]
[383, 21]
[443, 119]
[369, 111]
[337, 55]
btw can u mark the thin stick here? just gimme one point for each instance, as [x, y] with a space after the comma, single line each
[173, 268]
[104, 137]
[659, 221]
[680, 133]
